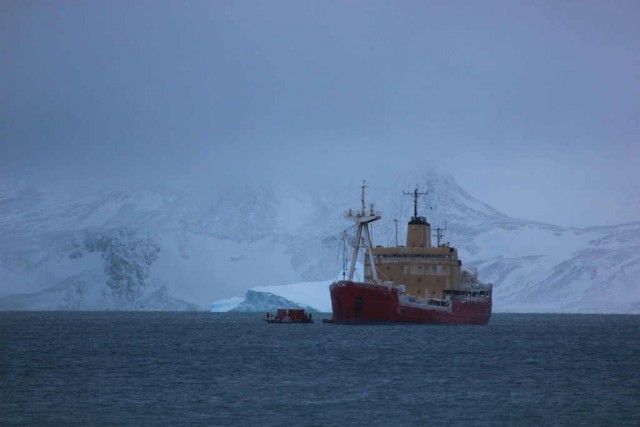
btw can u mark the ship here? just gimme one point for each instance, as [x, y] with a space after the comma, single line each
[412, 283]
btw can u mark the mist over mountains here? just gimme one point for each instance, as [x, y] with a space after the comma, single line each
[160, 249]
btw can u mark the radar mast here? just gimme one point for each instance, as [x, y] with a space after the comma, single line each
[415, 194]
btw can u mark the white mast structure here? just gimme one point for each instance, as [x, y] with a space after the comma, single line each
[363, 218]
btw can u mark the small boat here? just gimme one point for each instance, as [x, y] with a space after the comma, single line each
[289, 315]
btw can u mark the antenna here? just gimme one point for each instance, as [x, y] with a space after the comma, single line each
[415, 194]
[364, 205]
[396, 221]
[439, 234]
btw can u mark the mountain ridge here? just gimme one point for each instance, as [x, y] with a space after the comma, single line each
[201, 249]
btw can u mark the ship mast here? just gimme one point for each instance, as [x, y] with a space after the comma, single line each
[440, 234]
[363, 235]
[415, 194]
[418, 231]
[396, 222]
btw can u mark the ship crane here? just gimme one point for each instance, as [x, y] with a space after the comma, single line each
[363, 235]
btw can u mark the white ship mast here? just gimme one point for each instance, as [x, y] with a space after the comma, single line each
[363, 218]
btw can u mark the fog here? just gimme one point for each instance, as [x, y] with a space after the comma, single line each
[532, 106]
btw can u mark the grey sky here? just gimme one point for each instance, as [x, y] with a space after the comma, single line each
[532, 106]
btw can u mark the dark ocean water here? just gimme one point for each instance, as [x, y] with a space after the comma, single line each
[69, 368]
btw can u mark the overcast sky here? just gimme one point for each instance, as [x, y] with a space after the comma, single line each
[533, 106]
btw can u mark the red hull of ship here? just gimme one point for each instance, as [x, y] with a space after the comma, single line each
[356, 302]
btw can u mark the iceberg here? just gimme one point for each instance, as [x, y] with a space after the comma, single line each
[225, 305]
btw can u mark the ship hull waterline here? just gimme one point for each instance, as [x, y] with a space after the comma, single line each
[358, 302]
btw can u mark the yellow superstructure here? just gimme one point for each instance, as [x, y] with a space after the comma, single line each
[426, 271]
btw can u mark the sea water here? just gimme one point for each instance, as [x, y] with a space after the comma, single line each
[70, 368]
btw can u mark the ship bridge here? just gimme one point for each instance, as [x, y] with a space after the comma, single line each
[425, 270]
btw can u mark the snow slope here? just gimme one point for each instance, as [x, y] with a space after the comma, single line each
[168, 249]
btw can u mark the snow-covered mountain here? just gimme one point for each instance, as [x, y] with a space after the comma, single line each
[166, 249]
